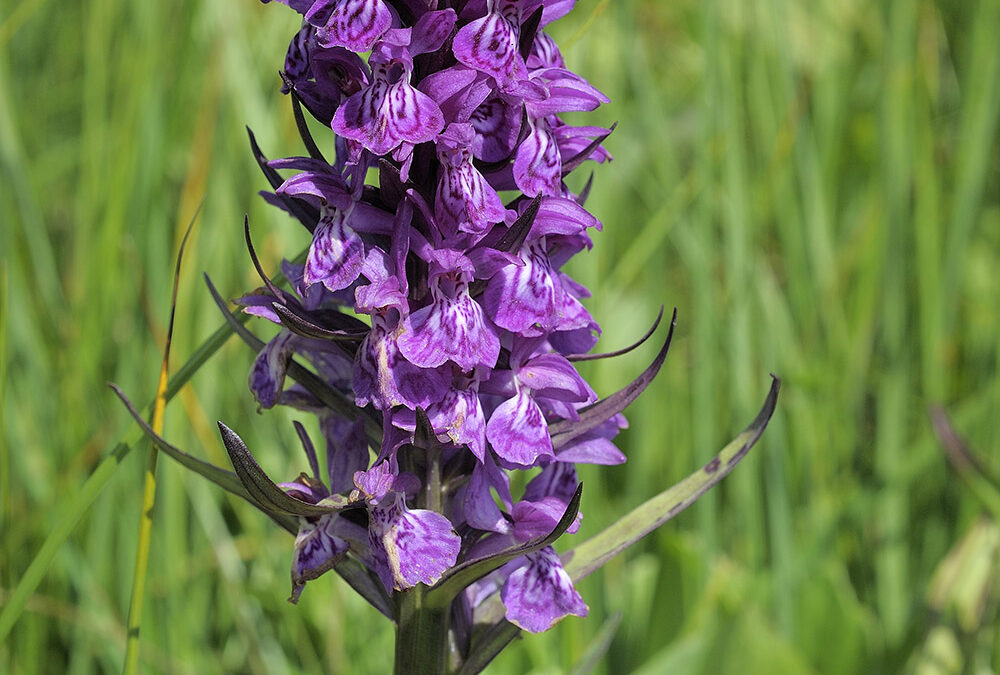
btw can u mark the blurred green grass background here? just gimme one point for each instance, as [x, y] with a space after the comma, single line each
[815, 185]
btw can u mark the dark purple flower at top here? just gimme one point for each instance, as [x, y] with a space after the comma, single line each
[490, 44]
[321, 77]
[355, 24]
[391, 111]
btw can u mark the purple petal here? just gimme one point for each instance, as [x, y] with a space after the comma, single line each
[267, 375]
[538, 166]
[523, 298]
[592, 449]
[464, 200]
[346, 450]
[565, 91]
[376, 483]
[489, 45]
[545, 53]
[518, 432]
[481, 511]
[541, 593]
[459, 91]
[383, 115]
[411, 546]
[316, 551]
[452, 329]
[355, 24]
[552, 376]
[383, 377]
[336, 254]
[460, 415]
[558, 480]
[498, 122]
[537, 519]
[431, 30]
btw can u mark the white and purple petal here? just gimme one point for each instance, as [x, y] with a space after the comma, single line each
[355, 24]
[336, 254]
[518, 432]
[383, 115]
[316, 551]
[524, 298]
[460, 416]
[450, 329]
[267, 375]
[410, 546]
[541, 593]
[490, 45]
[538, 165]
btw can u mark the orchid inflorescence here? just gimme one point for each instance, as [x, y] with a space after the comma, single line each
[463, 369]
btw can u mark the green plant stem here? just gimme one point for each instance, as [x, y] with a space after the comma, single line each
[421, 634]
[141, 563]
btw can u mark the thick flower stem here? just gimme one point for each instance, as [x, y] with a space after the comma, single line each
[421, 635]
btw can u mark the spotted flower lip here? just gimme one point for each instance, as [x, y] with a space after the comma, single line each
[408, 546]
[464, 200]
[490, 44]
[391, 111]
[453, 327]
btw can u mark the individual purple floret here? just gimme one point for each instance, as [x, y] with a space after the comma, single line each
[408, 546]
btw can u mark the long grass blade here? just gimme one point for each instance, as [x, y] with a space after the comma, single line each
[134, 623]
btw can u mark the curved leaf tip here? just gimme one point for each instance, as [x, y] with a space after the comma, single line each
[599, 549]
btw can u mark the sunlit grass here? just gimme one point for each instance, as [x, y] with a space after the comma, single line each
[816, 187]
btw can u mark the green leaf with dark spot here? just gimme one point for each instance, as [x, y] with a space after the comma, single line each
[599, 549]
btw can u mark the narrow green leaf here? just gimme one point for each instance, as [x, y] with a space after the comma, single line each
[581, 560]
[227, 480]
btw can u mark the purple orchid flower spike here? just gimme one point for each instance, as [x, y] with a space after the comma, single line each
[442, 312]
[408, 546]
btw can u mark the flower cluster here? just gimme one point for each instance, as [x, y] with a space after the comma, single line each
[434, 305]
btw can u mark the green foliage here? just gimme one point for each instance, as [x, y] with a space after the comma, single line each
[816, 187]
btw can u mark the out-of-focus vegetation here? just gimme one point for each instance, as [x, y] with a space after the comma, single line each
[815, 185]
